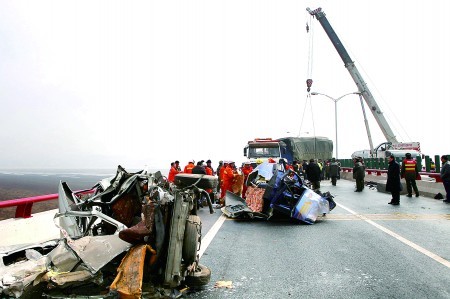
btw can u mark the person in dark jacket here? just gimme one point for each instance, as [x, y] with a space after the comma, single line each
[393, 183]
[445, 176]
[199, 168]
[359, 173]
[334, 170]
[313, 173]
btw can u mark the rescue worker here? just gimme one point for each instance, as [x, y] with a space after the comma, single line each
[359, 172]
[334, 170]
[209, 171]
[227, 180]
[188, 168]
[218, 175]
[410, 171]
[246, 170]
[177, 165]
[208, 168]
[172, 172]
[221, 173]
[320, 163]
[313, 174]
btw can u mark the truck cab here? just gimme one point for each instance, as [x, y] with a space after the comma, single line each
[264, 148]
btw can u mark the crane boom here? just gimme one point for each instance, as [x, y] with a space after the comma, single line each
[354, 73]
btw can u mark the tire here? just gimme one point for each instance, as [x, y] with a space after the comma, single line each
[199, 278]
[191, 239]
[206, 181]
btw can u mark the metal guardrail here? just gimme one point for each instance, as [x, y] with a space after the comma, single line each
[25, 205]
[379, 172]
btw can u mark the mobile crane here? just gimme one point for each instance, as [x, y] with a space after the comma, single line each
[392, 144]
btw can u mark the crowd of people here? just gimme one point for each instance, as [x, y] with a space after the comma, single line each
[228, 175]
[408, 170]
[233, 179]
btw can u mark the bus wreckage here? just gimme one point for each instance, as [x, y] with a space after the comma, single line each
[273, 190]
[130, 236]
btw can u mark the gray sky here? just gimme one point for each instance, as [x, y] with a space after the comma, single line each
[94, 84]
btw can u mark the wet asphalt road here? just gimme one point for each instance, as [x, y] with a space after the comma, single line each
[364, 248]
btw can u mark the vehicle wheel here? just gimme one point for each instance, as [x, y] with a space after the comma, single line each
[199, 278]
[204, 181]
[191, 239]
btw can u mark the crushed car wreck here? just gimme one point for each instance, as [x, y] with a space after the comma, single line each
[133, 235]
[271, 190]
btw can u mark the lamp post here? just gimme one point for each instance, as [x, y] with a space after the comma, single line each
[335, 112]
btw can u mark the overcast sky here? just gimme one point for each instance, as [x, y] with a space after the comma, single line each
[94, 84]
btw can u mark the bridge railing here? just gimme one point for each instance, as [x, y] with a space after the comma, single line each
[380, 172]
[25, 205]
[426, 164]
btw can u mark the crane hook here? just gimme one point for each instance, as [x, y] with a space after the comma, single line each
[309, 84]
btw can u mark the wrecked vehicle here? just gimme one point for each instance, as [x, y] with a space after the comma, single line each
[272, 190]
[133, 235]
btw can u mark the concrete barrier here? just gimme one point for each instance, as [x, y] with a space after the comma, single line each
[426, 188]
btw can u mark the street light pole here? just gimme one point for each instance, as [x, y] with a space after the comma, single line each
[335, 112]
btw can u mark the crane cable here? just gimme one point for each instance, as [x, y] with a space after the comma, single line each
[310, 32]
[309, 81]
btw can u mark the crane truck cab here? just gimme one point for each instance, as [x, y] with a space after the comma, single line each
[385, 149]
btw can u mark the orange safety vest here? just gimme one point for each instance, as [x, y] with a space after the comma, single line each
[173, 171]
[188, 168]
[208, 170]
[410, 165]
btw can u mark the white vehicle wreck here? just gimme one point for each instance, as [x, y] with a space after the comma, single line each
[274, 190]
[133, 235]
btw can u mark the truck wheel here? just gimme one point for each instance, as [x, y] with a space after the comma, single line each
[191, 239]
[204, 181]
[199, 278]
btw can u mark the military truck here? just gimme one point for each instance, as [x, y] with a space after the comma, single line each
[290, 148]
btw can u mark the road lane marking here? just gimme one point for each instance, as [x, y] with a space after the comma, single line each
[206, 240]
[422, 250]
[396, 216]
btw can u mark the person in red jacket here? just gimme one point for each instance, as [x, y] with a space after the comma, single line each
[189, 166]
[172, 172]
[246, 170]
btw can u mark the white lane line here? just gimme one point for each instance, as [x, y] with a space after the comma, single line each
[422, 250]
[206, 240]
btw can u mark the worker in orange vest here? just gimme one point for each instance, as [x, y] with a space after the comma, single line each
[220, 174]
[246, 170]
[189, 166]
[208, 168]
[227, 179]
[410, 171]
[172, 172]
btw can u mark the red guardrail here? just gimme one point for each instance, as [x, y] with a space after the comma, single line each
[378, 172]
[24, 205]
